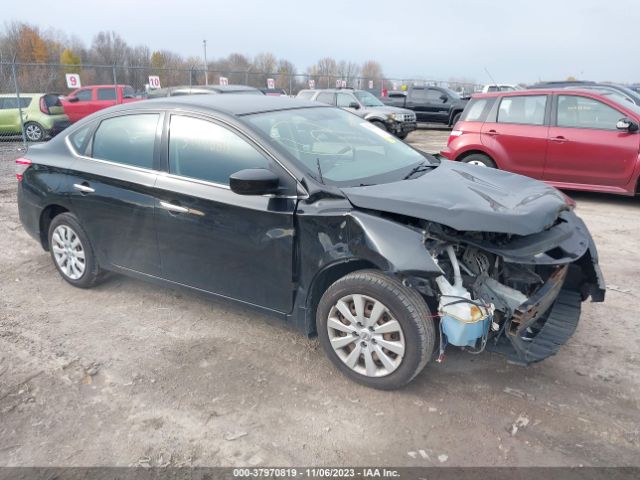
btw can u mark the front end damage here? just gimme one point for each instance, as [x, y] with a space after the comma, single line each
[516, 295]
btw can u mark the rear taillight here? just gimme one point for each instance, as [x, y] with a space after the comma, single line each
[454, 134]
[21, 165]
[44, 108]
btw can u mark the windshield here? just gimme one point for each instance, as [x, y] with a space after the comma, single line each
[337, 147]
[367, 99]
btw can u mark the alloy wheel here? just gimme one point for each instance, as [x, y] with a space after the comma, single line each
[365, 335]
[33, 132]
[68, 252]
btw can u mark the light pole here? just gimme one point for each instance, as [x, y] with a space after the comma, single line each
[206, 74]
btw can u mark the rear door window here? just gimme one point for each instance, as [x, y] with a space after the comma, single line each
[582, 112]
[12, 102]
[128, 139]
[525, 109]
[106, 94]
[326, 97]
[204, 150]
[305, 95]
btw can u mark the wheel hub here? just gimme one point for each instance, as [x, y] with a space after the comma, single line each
[365, 335]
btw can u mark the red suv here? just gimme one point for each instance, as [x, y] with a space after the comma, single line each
[573, 139]
[86, 100]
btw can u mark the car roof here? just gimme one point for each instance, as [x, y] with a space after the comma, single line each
[538, 91]
[235, 105]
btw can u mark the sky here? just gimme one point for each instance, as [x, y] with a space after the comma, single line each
[514, 40]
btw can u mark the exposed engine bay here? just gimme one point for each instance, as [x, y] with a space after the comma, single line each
[524, 309]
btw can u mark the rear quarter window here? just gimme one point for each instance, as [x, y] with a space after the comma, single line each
[477, 110]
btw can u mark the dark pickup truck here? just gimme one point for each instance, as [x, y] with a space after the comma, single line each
[431, 104]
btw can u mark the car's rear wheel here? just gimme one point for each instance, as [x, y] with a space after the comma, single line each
[402, 135]
[375, 330]
[456, 118]
[34, 132]
[72, 252]
[480, 160]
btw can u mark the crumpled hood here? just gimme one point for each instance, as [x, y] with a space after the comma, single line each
[467, 198]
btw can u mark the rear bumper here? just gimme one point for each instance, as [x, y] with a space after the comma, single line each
[446, 153]
[29, 213]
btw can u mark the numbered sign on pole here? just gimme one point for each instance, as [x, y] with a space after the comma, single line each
[338, 83]
[370, 84]
[395, 86]
[224, 81]
[73, 80]
[271, 83]
[154, 81]
[343, 83]
[312, 84]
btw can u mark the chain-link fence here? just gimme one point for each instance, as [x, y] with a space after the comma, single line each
[31, 110]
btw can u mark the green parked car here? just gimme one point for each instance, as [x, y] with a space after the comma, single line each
[42, 114]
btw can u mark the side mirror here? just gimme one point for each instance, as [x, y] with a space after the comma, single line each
[627, 124]
[72, 99]
[254, 181]
[354, 105]
[444, 98]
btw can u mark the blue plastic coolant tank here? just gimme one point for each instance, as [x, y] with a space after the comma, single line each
[463, 334]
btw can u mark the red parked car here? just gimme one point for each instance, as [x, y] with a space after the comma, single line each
[572, 139]
[86, 100]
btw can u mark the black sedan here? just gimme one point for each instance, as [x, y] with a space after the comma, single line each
[313, 214]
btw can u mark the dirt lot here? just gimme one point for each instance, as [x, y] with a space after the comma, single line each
[133, 374]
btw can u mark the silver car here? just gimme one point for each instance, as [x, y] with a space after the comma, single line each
[398, 121]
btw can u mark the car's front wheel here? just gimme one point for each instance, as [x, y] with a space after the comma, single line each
[375, 330]
[34, 132]
[72, 252]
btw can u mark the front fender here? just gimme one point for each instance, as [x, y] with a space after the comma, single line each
[393, 247]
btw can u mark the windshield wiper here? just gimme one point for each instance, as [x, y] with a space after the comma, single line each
[421, 167]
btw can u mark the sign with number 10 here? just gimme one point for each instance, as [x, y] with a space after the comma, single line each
[154, 81]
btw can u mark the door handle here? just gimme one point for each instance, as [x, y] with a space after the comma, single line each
[83, 187]
[172, 207]
[559, 139]
[492, 132]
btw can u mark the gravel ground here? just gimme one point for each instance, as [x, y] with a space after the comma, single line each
[133, 374]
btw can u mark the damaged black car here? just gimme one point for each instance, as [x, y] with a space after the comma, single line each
[312, 214]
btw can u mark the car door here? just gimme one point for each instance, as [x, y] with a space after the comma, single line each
[417, 101]
[212, 239]
[112, 188]
[9, 115]
[105, 97]
[586, 148]
[437, 105]
[79, 104]
[515, 133]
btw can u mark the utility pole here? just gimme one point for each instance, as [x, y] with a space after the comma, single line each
[206, 74]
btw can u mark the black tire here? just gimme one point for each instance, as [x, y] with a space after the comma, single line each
[380, 125]
[456, 117]
[92, 273]
[405, 305]
[479, 159]
[34, 132]
[402, 135]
